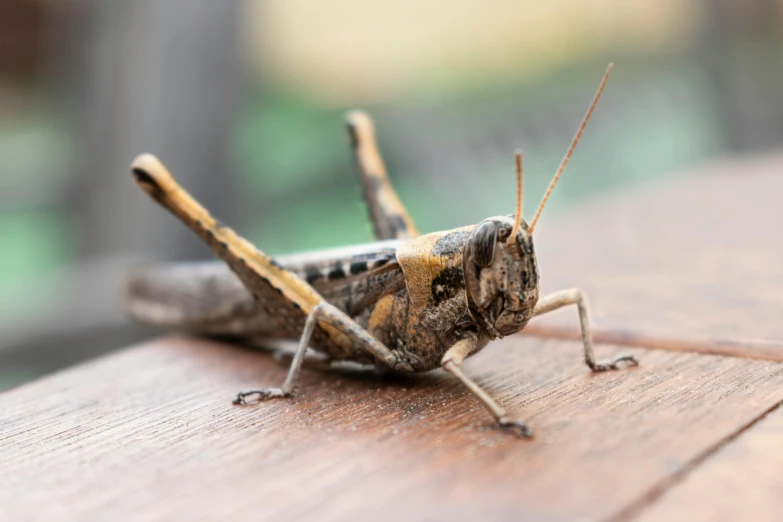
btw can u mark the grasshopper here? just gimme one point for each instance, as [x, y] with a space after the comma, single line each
[406, 303]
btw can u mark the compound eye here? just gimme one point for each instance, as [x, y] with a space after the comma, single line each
[483, 244]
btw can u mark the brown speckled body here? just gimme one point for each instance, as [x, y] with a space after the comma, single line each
[221, 305]
[421, 331]
[434, 309]
[409, 294]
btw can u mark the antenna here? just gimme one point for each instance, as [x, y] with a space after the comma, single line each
[571, 148]
[520, 192]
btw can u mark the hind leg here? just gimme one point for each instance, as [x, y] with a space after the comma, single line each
[389, 217]
[274, 287]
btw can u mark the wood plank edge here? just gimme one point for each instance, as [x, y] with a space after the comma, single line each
[762, 350]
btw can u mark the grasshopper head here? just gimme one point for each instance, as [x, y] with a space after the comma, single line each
[501, 272]
[501, 275]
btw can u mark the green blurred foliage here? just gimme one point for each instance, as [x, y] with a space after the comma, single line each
[300, 190]
[36, 237]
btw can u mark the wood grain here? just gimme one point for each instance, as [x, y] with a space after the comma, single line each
[149, 434]
[695, 263]
[742, 481]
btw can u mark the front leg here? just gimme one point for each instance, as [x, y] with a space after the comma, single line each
[452, 363]
[563, 298]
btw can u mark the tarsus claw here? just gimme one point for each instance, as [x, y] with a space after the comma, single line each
[263, 394]
[615, 363]
[630, 359]
[518, 428]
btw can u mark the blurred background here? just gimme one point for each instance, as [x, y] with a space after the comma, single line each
[244, 101]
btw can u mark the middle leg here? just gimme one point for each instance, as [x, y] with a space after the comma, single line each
[332, 316]
[293, 372]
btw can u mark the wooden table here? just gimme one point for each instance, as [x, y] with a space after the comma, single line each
[688, 275]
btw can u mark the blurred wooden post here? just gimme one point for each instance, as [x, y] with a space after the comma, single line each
[160, 77]
[744, 72]
[141, 76]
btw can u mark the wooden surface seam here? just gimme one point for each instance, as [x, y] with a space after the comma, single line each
[649, 499]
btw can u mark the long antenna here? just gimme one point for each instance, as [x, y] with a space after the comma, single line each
[570, 151]
[520, 192]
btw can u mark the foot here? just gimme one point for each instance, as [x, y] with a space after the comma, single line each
[629, 361]
[518, 428]
[264, 394]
